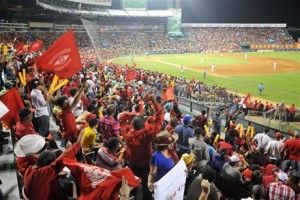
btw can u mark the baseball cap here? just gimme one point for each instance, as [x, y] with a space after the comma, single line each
[187, 118]
[278, 135]
[281, 175]
[234, 158]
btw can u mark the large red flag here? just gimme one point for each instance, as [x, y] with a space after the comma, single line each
[62, 58]
[36, 45]
[99, 183]
[130, 75]
[10, 106]
[247, 101]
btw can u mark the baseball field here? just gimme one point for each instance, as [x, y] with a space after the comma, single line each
[234, 71]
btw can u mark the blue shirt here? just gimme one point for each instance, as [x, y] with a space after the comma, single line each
[184, 133]
[163, 164]
[211, 152]
[218, 163]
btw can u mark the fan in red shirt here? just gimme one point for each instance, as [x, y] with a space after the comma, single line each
[292, 149]
[139, 136]
[25, 126]
[70, 131]
[225, 144]
[40, 180]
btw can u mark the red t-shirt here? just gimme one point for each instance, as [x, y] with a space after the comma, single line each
[267, 180]
[66, 90]
[293, 146]
[69, 124]
[24, 128]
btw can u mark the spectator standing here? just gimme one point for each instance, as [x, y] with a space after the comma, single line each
[184, 133]
[279, 190]
[139, 136]
[262, 139]
[39, 98]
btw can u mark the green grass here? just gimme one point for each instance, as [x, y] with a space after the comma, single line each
[278, 87]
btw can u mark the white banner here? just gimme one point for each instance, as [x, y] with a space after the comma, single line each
[171, 186]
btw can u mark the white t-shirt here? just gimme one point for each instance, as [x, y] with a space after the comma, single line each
[91, 86]
[274, 148]
[77, 110]
[262, 140]
[39, 103]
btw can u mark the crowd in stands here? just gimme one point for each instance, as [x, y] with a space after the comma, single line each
[108, 123]
[112, 44]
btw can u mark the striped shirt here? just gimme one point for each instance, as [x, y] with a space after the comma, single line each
[109, 127]
[107, 159]
[280, 191]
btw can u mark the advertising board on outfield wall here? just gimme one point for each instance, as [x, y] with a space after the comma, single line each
[275, 46]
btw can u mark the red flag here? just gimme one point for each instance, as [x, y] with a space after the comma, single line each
[62, 58]
[247, 101]
[130, 75]
[99, 183]
[36, 45]
[10, 106]
[19, 47]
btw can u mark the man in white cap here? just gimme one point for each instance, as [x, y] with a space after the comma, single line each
[278, 190]
[230, 170]
[26, 150]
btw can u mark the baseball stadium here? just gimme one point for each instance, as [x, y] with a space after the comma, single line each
[149, 99]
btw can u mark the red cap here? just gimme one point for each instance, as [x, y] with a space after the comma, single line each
[89, 116]
[278, 135]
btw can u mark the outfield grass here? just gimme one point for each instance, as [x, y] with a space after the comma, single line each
[278, 87]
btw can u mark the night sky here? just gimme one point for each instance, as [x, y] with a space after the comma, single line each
[241, 11]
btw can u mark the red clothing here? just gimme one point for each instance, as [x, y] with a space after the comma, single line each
[24, 162]
[140, 90]
[172, 152]
[69, 124]
[170, 129]
[139, 142]
[229, 148]
[109, 127]
[66, 90]
[280, 191]
[202, 120]
[40, 183]
[268, 179]
[293, 146]
[24, 128]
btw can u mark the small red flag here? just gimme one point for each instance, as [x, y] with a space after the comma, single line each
[130, 75]
[247, 101]
[168, 93]
[36, 45]
[62, 58]
[99, 183]
[10, 106]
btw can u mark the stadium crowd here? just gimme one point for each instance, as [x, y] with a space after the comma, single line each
[108, 120]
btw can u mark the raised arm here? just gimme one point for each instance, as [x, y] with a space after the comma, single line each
[78, 95]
